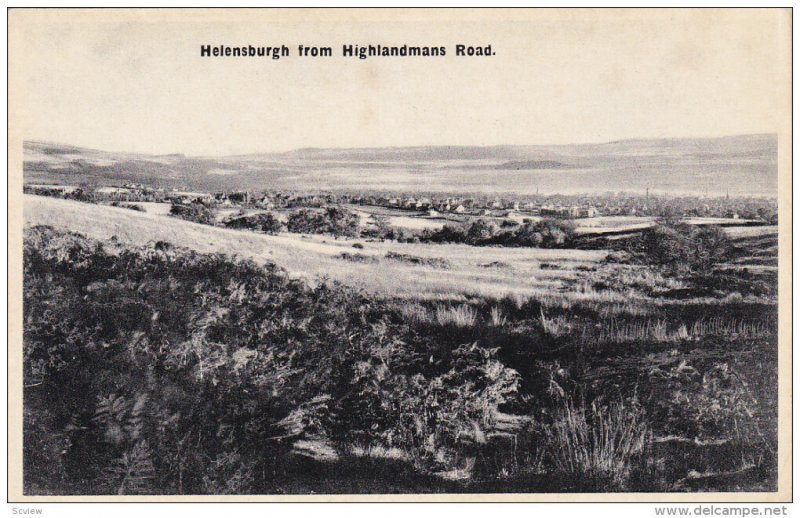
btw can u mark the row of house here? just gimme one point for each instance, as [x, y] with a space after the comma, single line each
[133, 192]
[506, 207]
[560, 211]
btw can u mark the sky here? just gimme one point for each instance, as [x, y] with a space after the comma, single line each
[135, 82]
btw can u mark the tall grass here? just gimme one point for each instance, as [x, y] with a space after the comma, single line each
[619, 331]
[414, 313]
[496, 317]
[458, 316]
[730, 327]
[628, 331]
[556, 326]
[596, 447]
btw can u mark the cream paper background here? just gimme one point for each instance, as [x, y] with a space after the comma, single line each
[639, 73]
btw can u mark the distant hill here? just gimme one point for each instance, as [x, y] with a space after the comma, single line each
[517, 165]
[740, 165]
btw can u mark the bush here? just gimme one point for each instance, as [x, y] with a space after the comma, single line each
[436, 262]
[441, 417]
[545, 233]
[335, 221]
[263, 222]
[196, 212]
[448, 234]
[130, 206]
[711, 246]
[683, 248]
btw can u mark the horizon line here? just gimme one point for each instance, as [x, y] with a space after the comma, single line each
[417, 146]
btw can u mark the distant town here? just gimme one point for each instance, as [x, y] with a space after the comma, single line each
[754, 209]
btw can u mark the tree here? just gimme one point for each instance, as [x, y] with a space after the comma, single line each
[342, 222]
[379, 228]
[480, 231]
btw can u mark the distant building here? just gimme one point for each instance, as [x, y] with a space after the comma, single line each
[113, 190]
[266, 203]
[568, 212]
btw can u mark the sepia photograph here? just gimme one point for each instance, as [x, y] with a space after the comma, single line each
[406, 254]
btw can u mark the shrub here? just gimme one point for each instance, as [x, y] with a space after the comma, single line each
[263, 222]
[448, 234]
[130, 206]
[711, 246]
[196, 212]
[335, 221]
[436, 262]
[545, 233]
[358, 258]
[440, 418]
[683, 248]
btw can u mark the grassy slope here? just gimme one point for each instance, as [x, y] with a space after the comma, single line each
[520, 272]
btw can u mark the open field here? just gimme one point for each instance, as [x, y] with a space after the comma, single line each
[492, 272]
[420, 271]
[588, 227]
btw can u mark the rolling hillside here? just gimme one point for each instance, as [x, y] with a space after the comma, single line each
[491, 272]
[740, 165]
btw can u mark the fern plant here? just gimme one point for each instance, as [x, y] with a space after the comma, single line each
[132, 473]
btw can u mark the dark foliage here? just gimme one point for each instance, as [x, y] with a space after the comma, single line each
[335, 221]
[263, 222]
[159, 370]
[196, 212]
[131, 206]
[683, 248]
[544, 233]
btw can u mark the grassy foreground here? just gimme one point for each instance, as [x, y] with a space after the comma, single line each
[156, 369]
